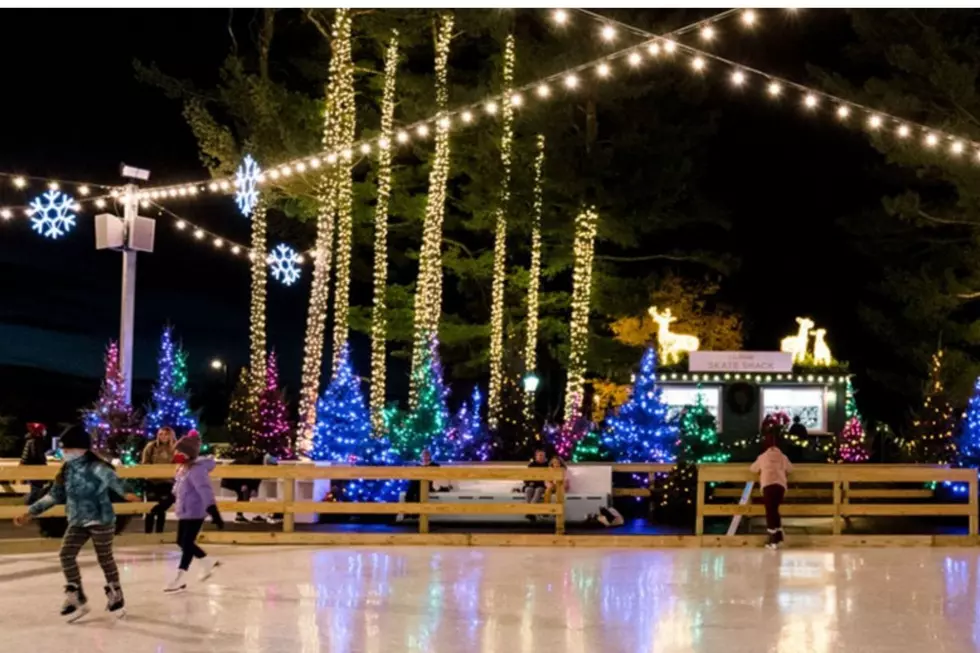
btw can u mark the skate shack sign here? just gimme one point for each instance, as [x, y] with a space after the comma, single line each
[740, 361]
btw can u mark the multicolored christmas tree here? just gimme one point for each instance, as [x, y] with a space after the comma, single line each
[272, 431]
[641, 431]
[467, 438]
[697, 444]
[852, 444]
[968, 445]
[170, 402]
[428, 420]
[932, 435]
[113, 424]
[566, 437]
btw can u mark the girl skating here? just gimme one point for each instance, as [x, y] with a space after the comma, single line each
[772, 466]
[192, 490]
[83, 484]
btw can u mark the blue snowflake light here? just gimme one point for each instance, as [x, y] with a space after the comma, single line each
[284, 262]
[247, 185]
[53, 214]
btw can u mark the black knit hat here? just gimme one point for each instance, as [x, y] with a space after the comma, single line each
[75, 437]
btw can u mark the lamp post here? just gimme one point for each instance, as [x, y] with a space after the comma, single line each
[531, 383]
[219, 365]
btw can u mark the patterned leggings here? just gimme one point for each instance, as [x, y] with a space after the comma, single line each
[75, 538]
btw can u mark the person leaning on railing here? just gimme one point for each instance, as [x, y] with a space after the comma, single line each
[159, 452]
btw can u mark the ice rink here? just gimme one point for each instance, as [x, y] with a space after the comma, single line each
[502, 600]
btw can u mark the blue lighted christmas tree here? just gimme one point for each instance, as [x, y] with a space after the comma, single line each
[641, 431]
[427, 422]
[343, 436]
[169, 406]
[968, 446]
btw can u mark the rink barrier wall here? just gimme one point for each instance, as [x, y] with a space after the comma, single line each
[840, 478]
[835, 486]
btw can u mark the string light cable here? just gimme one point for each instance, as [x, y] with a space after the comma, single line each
[462, 116]
[811, 100]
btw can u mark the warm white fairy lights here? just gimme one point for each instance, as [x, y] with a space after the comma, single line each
[500, 245]
[322, 251]
[534, 278]
[257, 331]
[428, 289]
[345, 112]
[585, 231]
[379, 318]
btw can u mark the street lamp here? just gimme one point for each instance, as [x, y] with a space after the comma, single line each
[531, 383]
[217, 364]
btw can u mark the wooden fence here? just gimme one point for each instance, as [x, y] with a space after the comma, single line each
[837, 501]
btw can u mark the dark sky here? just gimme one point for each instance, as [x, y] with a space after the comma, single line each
[74, 110]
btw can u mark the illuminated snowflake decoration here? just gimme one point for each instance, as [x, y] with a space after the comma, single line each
[53, 214]
[247, 185]
[285, 264]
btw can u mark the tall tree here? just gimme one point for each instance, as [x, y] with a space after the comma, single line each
[170, 403]
[242, 416]
[428, 420]
[113, 424]
[272, 430]
[642, 431]
[931, 439]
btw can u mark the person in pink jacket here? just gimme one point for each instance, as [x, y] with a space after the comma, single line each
[772, 466]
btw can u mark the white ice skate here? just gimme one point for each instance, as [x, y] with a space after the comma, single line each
[178, 584]
[76, 605]
[208, 565]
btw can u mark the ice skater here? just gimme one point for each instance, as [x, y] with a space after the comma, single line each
[195, 498]
[83, 484]
[772, 466]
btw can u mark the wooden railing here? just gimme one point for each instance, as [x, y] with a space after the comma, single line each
[840, 479]
[650, 469]
[289, 507]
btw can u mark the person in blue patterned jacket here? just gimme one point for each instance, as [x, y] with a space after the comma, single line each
[83, 484]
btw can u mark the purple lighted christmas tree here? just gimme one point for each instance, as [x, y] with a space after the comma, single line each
[113, 424]
[272, 432]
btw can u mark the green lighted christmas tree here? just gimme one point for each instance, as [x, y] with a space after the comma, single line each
[933, 428]
[429, 419]
[697, 444]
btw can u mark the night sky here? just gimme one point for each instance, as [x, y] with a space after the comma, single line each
[74, 110]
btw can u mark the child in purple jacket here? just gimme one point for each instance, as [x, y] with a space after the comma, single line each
[194, 496]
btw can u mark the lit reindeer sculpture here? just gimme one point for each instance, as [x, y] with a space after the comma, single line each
[798, 344]
[671, 344]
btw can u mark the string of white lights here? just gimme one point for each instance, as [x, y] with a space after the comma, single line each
[544, 88]
[811, 100]
[203, 235]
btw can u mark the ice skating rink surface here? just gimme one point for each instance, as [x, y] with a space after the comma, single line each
[510, 600]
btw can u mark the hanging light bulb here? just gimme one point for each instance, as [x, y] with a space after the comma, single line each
[707, 33]
[669, 46]
[634, 59]
[903, 131]
[19, 182]
[608, 33]
[467, 116]
[491, 107]
[653, 49]
[932, 140]
[748, 17]
[603, 70]
[571, 81]
[698, 63]
[843, 111]
[560, 16]
[810, 101]
[774, 89]
[738, 78]
[543, 90]
[956, 148]
[874, 122]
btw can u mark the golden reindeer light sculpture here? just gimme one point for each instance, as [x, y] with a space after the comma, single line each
[671, 344]
[798, 344]
[821, 352]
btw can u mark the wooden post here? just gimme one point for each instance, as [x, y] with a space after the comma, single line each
[560, 516]
[288, 497]
[423, 498]
[837, 500]
[699, 518]
[974, 517]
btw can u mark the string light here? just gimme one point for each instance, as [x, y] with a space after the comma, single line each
[707, 33]
[428, 293]
[608, 33]
[903, 131]
[181, 225]
[635, 59]
[6, 214]
[843, 111]
[500, 247]
[53, 185]
[534, 277]
[467, 116]
[20, 182]
[584, 251]
[379, 325]
[931, 140]
[84, 191]
[544, 91]
[323, 249]
[560, 16]
[738, 78]
[698, 63]
[199, 234]
[774, 89]
[810, 101]
[653, 49]
[571, 81]
[491, 108]
[874, 122]
[603, 70]
[748, 17]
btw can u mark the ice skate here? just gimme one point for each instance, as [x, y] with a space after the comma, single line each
[115, 603]
[208, 566]
[178, 584]
[76, 605]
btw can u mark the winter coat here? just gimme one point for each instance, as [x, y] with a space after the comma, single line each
[772, 466]
[84, 490]
[158, 453]
[192, 489]
[33, 452]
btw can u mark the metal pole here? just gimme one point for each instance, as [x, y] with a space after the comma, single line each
[128, 304]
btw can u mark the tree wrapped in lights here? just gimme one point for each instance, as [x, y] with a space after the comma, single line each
[113, 424]
[272, 432]
[968, 445]
[323, 248]
[590, 449]
[565, 437]
[932, 437]
[697, 444]
[467, 438]
[240, 424]
[379, 328]
[534, 278]
[500, 239]
[641, 431]
[852, 444]
[428, 289]
[169, 404]
[585, 230]
[257, 258]
[427, 421]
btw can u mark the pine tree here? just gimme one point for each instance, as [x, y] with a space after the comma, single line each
[591, 448]
[272, 432]
[565, 437]
[641, 431]
[968, 445]
[242, 417]
[852, 444]
[467, 438]
[428, 421]
[933, 428]
[113, 424]
[169, 405]
[697, 444]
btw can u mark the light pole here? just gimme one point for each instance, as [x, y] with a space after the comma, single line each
[531, 383]
[219, 365]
